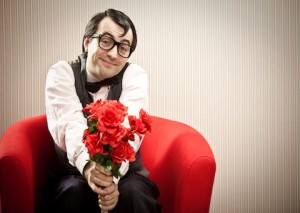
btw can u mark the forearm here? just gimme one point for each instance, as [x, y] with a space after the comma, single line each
[66, 122]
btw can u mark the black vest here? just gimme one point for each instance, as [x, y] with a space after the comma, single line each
[62, 166]
[79, 71]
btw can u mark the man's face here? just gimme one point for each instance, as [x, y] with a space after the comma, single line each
[101, 63]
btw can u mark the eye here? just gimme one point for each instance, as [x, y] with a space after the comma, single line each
[106, 42]
[124, 47]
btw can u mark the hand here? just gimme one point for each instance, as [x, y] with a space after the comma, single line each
[108, 198]
[101, 182]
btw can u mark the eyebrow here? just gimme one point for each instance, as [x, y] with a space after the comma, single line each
[110, 35]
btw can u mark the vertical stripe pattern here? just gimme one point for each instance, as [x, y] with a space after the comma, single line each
[229, 68]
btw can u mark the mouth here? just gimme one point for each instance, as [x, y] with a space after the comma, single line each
[108, 63]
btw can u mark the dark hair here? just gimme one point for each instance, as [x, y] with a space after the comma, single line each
[118, 17]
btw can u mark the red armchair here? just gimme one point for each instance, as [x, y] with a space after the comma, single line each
[178, 157]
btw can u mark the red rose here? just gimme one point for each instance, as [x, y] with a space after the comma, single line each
[142, 125]
[146, 119]
[123, 152]
[114, 139]
[132, 121]
[110, 116]
[92, 142]
[130, 153]
[130, 135]
[119, 107]
[91, 109]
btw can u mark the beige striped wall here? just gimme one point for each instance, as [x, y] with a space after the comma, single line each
[229, 68]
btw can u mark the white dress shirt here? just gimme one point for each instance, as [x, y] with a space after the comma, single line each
[66, 122]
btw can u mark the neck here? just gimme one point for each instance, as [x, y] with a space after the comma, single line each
[92, 78]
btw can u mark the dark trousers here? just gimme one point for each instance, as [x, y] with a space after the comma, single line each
[71, 193]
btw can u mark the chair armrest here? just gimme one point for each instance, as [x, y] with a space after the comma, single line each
[25, 155]
[193, 173]
[182, 164]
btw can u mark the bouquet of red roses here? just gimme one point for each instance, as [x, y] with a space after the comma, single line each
[107, 139]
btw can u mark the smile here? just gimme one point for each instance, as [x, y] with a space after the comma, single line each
[108, 62]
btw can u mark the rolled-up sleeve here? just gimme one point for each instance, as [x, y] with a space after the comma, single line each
[66, 122]
[135, 97]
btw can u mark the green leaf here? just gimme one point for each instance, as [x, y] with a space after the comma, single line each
[92, 126]
[115, 170]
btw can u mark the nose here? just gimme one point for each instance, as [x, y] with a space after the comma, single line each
[113, 53]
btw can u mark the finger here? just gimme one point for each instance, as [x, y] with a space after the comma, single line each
[115, 194]
[101, 169]
[102, 180]
[108, 202]
[103, 191]
[108, 205]
[109, 190]
[95, 188]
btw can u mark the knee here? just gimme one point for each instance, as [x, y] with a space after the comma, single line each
[78, 191]
[137, 195]
[74, 195]
[133, 188]
[75, 186]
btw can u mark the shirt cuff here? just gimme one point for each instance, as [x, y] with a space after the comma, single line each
[81, 161]
[123, 170]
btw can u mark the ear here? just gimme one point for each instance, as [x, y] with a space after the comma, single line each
[86, 42]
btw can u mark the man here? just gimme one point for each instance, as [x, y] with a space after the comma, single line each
[102, 72]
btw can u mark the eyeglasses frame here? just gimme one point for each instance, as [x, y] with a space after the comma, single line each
[99, 36]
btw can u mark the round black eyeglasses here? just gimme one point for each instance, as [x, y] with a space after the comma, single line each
[107, 43]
